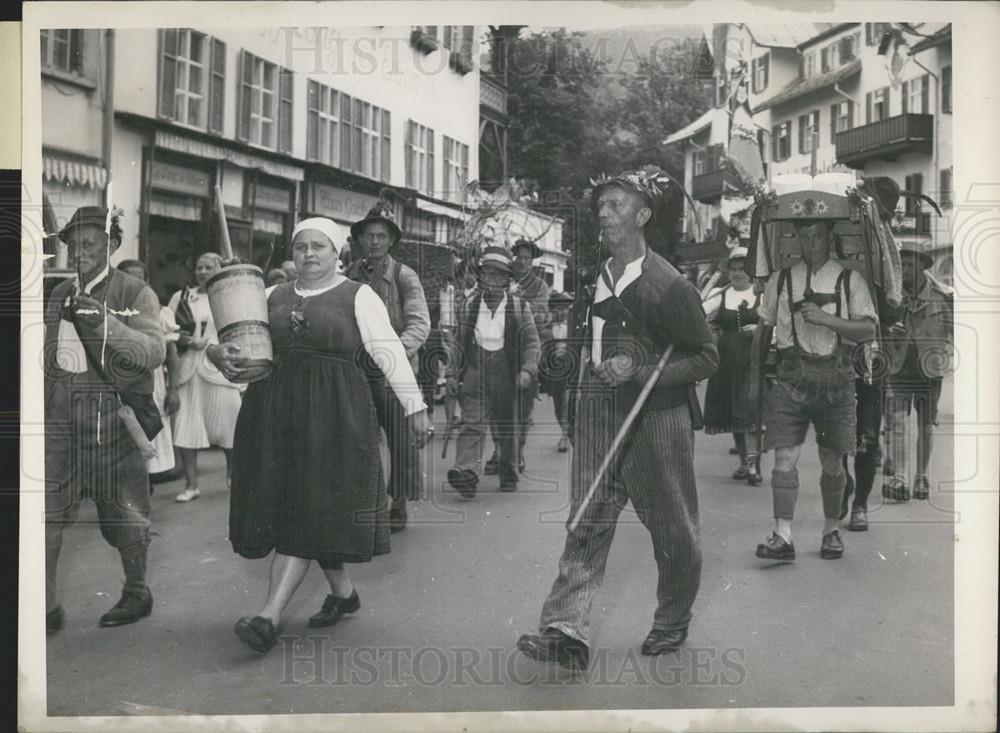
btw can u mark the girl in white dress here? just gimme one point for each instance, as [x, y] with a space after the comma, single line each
[209, 403]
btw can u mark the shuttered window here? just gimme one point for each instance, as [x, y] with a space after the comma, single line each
[266, 104]
[192, 73]
[419, 157]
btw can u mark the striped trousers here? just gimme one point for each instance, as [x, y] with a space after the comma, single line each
[655, 470]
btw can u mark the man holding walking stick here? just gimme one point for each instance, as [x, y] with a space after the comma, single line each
[633, 432]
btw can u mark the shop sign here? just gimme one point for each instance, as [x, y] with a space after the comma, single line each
[339, 203]
[176, 178]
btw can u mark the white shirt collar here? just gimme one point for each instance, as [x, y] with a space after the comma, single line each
[100, 276]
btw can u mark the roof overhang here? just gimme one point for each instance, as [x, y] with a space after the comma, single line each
[692, 129]
[812, 84]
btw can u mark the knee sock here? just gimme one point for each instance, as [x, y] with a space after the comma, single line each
[741, 446]
[865, 468]
[51, 566]
[784, 490]
[134, 565]
[832, 488]
[752, 450]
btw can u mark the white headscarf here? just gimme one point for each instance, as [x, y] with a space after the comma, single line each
[325, 226]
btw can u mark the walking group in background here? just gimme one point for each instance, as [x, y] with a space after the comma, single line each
[628, 350]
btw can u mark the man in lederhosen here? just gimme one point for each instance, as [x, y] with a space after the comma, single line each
[641, 306]
[819, 310]
[495, 357]
[102, 343]
[399, 288]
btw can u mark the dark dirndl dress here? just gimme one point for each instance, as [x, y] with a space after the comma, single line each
[307, 476]
[727, 405]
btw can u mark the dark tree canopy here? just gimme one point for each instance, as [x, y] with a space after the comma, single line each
[566, 129]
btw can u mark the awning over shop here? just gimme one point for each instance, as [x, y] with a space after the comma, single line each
[812, 84]
[440, 210]
[73, 170]
[198, 148]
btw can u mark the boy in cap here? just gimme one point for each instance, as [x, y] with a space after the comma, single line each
[102, 343]
[819, 310]
[920, 349]
[399, 288]
[495, 356]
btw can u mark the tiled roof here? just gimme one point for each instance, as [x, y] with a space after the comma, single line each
[813, 83]
[785, 35]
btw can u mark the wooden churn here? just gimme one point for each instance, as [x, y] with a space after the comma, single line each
[239, 308]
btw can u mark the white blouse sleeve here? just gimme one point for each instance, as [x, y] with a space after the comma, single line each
[384, 346]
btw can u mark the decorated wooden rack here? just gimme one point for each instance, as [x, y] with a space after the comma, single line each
[861, 240]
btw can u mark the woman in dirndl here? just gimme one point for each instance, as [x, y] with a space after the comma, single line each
[307, 478]
[732, 311]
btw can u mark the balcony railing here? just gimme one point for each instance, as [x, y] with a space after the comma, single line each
[885, 139]
[492, 94]
[710, 186]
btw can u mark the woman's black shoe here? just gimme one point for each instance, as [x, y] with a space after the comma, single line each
[258, 633]
[333, 609]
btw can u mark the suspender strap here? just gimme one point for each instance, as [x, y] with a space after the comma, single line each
[843, 285]
[786, 278]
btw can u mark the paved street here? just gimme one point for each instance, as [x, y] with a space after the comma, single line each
[441, 613]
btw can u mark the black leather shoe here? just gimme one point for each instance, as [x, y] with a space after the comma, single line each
[258, 633]
[333, 609]
[754, 478]
[397, 517]
[555, 646]
[464, 481]
[921, 488]
[741, 473]
[776, 548]
[832, 548]
[661, 641]
[508, 484]
[492, 466]
[54, 620]
[130, 608]
[895, 489]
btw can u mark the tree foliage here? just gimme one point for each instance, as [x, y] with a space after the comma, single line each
[564, 131]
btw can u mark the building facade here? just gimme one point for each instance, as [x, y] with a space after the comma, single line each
[823, 95]
[287, 122]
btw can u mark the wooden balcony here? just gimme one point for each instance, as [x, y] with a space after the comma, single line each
[710, 186]
[492, 94]
[886, 139]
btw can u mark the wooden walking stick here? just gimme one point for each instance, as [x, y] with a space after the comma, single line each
[622, 431]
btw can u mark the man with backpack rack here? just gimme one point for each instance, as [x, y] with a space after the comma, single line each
[819, 311]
